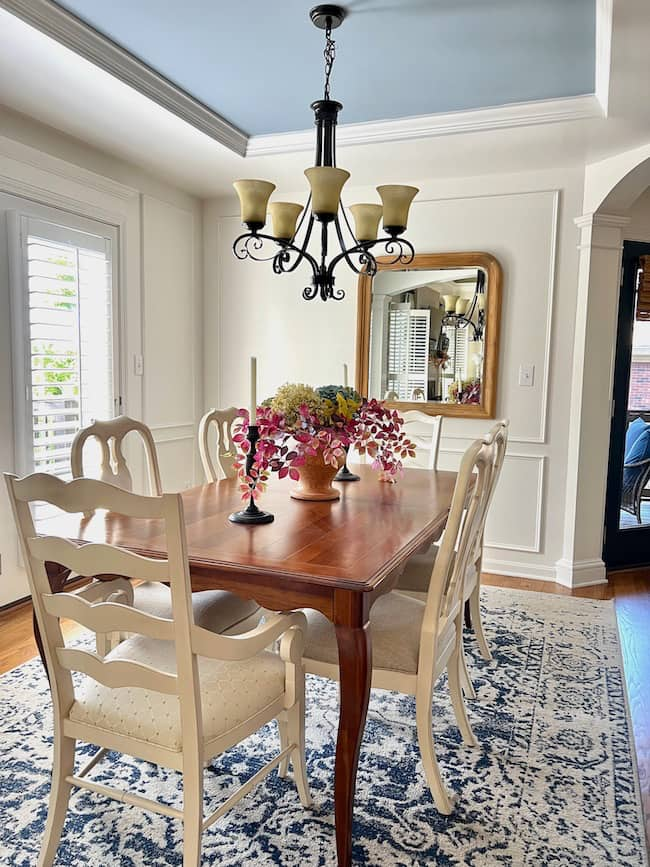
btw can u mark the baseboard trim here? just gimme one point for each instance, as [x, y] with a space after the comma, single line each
[580, 573]
[515, 569]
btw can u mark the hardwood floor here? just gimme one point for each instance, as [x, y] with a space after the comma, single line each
[629, 589]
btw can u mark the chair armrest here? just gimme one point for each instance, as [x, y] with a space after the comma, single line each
[236, 647]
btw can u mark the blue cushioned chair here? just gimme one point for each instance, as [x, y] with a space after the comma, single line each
[636, 470]
[633, 432]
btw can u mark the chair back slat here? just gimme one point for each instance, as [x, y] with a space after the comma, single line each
[113, 466]
[96, 558]
[82, 495]
[117, 673]
[424, 431]
[464, 526]
[105, 617]
[226, 451]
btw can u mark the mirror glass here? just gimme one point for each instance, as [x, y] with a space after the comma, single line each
[427, 335]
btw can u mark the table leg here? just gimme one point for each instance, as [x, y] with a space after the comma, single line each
[468, 616]
[355, 665]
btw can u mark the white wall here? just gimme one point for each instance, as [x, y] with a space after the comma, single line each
[526, 221]
[160, 276]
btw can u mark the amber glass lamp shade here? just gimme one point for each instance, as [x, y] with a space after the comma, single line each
[326, 184]
[366, 221]
[397, 200]
[461, 306]
[450, 303]
[284, 216]
[480, 301]
[253, 197]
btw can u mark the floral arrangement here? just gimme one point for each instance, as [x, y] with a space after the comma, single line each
[300, 422]
[469, 392]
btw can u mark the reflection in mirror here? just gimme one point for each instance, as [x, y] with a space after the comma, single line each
[427, 335]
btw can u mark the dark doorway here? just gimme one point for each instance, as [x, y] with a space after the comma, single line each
[627, 511]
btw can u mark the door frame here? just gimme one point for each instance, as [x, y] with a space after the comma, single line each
[631, 546]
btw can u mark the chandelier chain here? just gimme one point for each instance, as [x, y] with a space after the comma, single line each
[330, 55]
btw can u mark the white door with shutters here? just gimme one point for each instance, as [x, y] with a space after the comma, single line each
[65, 328]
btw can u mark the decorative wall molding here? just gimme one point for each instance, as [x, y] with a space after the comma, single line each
[434, 125]
[536, 546]
[171, 433]
[580, 573]
[75, 34]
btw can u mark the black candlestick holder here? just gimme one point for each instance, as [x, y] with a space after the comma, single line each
[344, 474]
[251, 514]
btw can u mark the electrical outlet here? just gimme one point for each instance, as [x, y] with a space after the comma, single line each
[526, 375]
[138, 365]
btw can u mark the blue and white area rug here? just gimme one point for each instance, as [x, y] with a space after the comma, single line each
[553, 782]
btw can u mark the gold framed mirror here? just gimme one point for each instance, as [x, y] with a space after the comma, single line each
[428, 334]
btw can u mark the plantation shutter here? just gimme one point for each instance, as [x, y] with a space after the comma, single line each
[69, 338]
[408, 350]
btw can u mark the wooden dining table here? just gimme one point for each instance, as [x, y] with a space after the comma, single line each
[337, 557]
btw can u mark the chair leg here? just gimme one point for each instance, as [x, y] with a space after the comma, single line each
[477, 623]
[465, 679]
[283, 767]
[296, 735]
[423, 717]
[458, 703]
[192, 813]
[63, 767]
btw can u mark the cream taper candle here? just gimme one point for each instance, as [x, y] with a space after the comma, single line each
[252, 409]
[345, 375]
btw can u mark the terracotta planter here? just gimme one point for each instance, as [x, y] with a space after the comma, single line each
[316, 479]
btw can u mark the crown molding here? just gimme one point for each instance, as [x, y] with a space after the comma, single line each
[84, 40]
[432, 125]
[604, 26]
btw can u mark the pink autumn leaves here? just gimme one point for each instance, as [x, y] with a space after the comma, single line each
[283, 447]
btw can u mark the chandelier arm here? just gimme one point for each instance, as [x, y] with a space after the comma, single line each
[301, 251]
[395, 247]
[302, 219]
[347, 223]
[246, 246]
[367, 260]
[356, 249]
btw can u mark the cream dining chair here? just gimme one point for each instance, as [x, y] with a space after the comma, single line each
[174, 694]
[417, 573]
[226, 451]
[414, 641]
[424, 431]
[217, 610]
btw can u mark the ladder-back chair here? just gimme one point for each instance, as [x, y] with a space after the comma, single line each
[174, 694]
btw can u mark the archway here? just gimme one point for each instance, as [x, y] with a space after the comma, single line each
[611, 188]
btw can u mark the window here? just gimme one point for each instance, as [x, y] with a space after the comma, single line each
[65, 335]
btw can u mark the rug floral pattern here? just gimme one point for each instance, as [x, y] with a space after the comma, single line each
[553, 782]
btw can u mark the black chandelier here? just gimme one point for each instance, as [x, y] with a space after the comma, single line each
[459, 311]
[324, 204]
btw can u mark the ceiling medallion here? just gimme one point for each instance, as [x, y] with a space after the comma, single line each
[324, 205]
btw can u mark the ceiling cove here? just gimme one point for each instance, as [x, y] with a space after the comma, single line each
[405, 68]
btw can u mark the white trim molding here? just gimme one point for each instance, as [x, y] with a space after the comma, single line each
[580, 573]
[514, 569]
[604, 24]
[435, 125]
[84, 40]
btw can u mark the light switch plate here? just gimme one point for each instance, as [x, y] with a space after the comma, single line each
[526, 375]
[138, 365]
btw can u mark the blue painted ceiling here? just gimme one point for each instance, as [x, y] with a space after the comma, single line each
[259, 64]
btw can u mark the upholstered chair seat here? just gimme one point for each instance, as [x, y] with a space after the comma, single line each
[396, 623]
[231, 692]
[216, 610]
